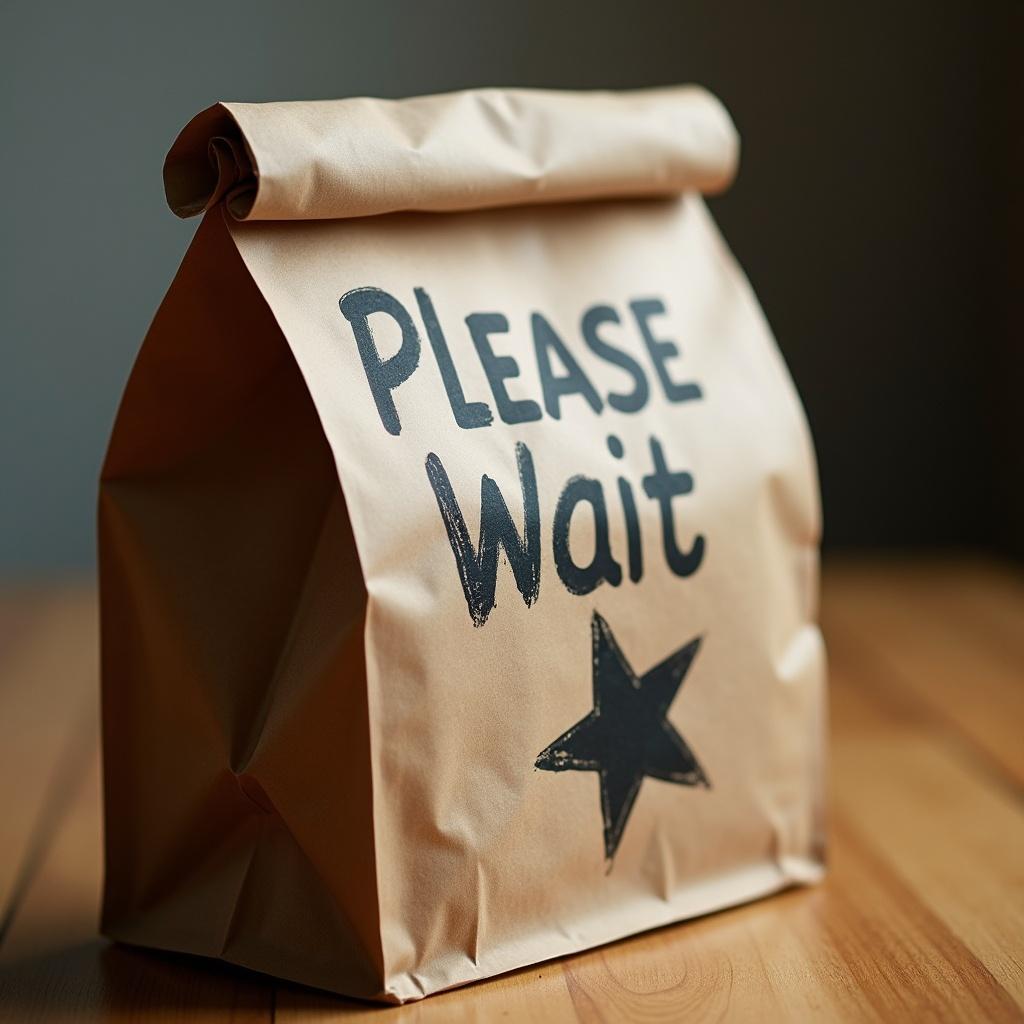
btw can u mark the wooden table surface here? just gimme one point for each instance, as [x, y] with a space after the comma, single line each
[921, 918]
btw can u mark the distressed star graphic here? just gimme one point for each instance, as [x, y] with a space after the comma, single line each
[627, 736]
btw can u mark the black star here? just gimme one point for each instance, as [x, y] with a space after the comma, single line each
[628, 734]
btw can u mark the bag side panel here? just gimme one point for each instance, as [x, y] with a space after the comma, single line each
[234, 698]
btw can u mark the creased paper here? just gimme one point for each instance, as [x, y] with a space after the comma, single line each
[458, 547]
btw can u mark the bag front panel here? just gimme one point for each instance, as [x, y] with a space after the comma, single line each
[584, 501]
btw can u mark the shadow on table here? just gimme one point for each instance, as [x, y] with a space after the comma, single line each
[681, 964]
[97, 979]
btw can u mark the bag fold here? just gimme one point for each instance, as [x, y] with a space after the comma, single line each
[481, 148]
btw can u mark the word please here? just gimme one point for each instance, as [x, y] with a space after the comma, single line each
[561, 375]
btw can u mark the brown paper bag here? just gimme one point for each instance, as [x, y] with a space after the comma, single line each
[458, 542]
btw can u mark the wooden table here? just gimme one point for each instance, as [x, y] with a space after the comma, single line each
[921, 918]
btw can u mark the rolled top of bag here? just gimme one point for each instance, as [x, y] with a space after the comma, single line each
[458, 151]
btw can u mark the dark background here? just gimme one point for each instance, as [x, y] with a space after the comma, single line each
[877, 213]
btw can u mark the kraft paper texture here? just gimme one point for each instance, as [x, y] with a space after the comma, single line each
[458, 547]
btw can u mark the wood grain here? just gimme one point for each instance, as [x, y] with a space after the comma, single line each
[950, 641]
[921, 917]
[48, 723]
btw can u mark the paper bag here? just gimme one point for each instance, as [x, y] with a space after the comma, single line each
[458, 547]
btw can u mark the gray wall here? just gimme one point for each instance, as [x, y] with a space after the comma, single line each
[869, 213]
